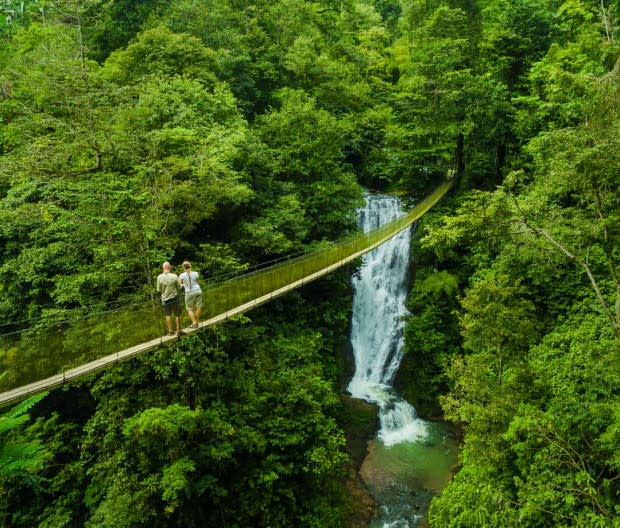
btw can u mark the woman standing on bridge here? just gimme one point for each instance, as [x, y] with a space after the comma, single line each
[193, 294]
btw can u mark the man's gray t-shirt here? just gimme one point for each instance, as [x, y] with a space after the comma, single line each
[167, 284]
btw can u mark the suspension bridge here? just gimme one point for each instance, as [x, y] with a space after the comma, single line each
[42, 358]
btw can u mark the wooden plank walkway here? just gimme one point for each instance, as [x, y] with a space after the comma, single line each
[57, 380]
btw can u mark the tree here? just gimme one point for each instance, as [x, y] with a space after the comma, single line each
[307, 177]
[430, 94]
[516, 35]
[14, 14]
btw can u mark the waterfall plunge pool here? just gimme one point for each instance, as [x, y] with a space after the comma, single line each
[404, 477]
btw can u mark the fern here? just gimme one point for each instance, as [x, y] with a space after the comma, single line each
[19, 459]
[26, 405]
[439, 283]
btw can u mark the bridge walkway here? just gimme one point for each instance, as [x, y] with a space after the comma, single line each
[34, 356]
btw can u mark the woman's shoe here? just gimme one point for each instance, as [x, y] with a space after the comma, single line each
[195, 325]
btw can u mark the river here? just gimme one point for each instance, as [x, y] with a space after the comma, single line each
[410, 459]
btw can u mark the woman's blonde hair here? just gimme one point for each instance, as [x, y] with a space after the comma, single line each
[186, 265]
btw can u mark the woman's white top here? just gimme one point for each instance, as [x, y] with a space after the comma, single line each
[190, 281]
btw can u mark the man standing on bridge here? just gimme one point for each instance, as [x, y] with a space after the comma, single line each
[167, 284]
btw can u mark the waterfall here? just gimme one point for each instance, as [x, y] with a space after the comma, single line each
[379, 294]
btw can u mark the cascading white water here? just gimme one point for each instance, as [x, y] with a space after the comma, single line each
[379, 294]
[410, 460]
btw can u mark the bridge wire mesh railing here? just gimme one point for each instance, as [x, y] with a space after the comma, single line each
[39, 352]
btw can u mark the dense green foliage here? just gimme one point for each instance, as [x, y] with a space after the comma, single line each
[232, 133]
[516, 307]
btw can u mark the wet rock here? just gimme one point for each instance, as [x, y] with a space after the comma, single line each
[363, 505]
[359, 420]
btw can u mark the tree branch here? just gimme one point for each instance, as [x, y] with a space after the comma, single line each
[599, 295]
[613, 319]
